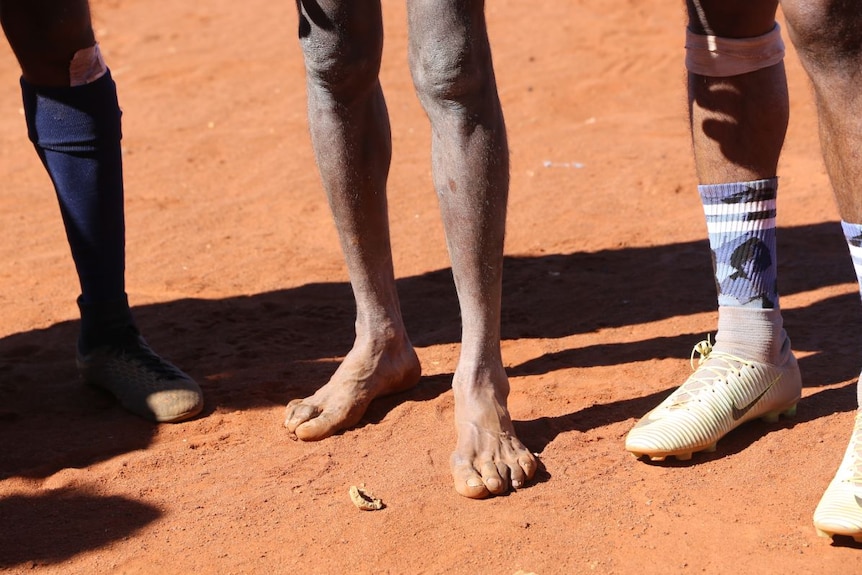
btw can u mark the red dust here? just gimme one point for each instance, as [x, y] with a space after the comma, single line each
[235, 273]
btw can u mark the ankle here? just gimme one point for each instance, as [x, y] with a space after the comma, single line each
[753, 333]
[104, 323]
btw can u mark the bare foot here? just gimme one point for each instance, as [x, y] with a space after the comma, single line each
[489, 458]
[366, 373]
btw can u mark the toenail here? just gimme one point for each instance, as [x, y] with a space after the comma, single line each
[474, 482]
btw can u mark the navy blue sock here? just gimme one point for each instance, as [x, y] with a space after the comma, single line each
[76, 132]
[105, 323]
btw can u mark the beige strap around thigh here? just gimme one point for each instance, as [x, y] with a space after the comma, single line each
[718, 57]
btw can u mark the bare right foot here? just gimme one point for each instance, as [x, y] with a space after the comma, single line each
[370, 370]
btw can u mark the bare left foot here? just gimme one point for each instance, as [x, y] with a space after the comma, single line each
[489, 458]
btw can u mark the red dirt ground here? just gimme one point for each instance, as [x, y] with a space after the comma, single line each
[235, 274]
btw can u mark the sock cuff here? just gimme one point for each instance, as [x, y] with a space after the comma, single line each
[72, 119]
[739, 192]
[740, 207]
[853, 233]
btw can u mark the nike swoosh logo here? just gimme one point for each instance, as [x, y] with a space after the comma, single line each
[739, 412]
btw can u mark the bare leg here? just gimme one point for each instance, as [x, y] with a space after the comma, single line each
[45, 35]
[737, 123]
[342, 43]
[828, 41]
[828, 37]
[450, 60]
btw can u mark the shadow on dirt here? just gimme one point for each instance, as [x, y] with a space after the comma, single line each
[70, 522]
[256, 351]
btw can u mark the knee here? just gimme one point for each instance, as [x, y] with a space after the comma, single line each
[827, 34]
[450, 72]
[45, 37]
[341, 65]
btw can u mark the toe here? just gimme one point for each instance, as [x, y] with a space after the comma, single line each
[494, 480]
[517, 476]
[298, 413]
[467, 481]
[528, 464]
[316, 428]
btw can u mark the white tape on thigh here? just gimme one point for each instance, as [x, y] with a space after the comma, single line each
[721, 57]
[87, 66]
